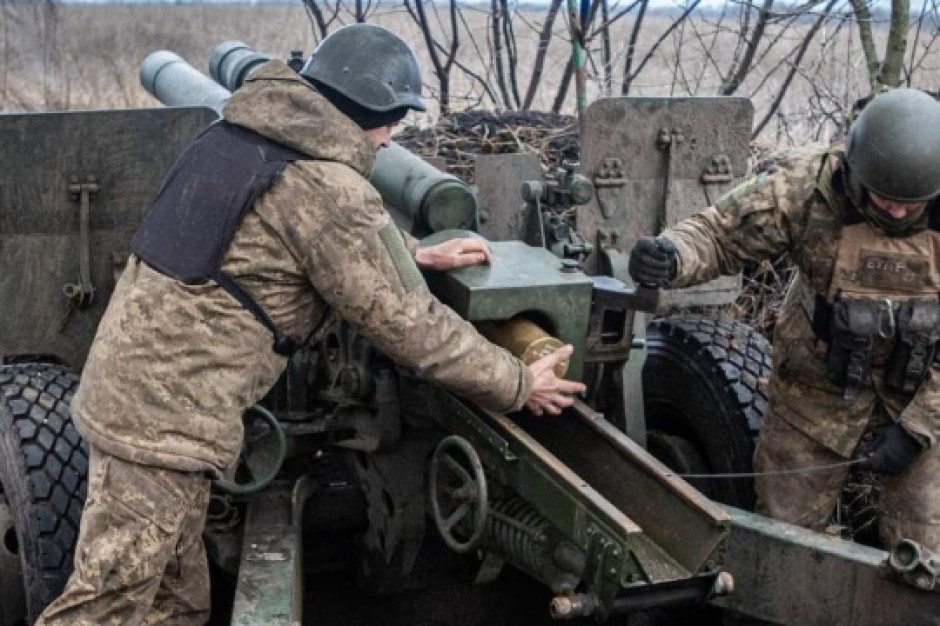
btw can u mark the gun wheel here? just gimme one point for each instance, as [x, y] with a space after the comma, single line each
[264, 448]
[43, 472]
[459, 501]
[704, 390]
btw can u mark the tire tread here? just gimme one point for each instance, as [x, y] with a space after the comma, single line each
[741, 357]
[53, 464]
[723, 367]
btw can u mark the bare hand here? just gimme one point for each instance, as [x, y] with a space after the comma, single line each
[452, 254]
[551, 394]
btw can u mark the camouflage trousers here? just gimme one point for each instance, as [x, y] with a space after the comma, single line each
[140, 557]
[909, 503]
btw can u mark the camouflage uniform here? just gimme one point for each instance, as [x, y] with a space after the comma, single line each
[174, 366]
[800, 206]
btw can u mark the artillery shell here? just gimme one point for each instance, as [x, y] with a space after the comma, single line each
[525, 339]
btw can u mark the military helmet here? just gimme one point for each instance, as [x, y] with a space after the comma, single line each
[893, 148]
[369, 65]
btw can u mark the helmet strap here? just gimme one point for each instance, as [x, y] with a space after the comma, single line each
[860, 197]
[893, 228]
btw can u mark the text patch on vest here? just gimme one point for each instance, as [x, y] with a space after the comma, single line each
[881, 270]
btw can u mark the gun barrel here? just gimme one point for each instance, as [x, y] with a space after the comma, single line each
[431, 199]
[434, 200]
[231, 62]
[174, 82]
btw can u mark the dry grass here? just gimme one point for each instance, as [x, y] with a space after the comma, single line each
[55, 57]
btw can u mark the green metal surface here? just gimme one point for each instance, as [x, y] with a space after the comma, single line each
[634, 410]
[675, 517]
[432, 199]
[500, 177]
[522, 280]
[598, 505]
[269, 591]
[790, 575]
[174, 82]
[264, 449]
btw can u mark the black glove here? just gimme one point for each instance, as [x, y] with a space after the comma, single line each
[892, 453]
[653, 262]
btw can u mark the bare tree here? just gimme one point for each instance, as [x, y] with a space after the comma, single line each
[606, 50]
[502, 47]
[897, 43]
[628, 74]
[748, 43]
[436, 49]
[575, 34]
[362, 10]
[562, 92]
[6, 16]
[920, 48]
[544, 39]
[794, 66]
[323, 15]
[884, 72]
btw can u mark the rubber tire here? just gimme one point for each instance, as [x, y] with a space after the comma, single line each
[12, 595]
[705, 380]
[43, 471]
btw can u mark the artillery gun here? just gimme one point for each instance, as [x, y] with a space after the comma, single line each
[420, 487]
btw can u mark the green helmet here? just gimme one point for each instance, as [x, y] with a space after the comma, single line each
[369, 65]
[893, 149]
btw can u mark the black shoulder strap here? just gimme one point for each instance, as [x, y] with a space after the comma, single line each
[850, 212]
[284, 344]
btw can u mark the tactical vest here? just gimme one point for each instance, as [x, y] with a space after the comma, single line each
[881, 305]
[207, 193]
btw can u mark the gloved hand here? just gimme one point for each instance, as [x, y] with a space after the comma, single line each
[892, 453]
[653, 262]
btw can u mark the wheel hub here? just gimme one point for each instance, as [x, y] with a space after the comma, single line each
[675, 452]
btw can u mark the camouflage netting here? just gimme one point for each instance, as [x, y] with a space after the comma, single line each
[459, 137]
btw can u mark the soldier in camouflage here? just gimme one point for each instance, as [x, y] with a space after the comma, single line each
[855, 342]
[186, 344]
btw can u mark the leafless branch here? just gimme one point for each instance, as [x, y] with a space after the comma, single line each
[737, 74]
[628, 73]
[675, 24]
[544, 39]
[793, 67]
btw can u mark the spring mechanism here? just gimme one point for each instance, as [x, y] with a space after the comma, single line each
[526, 539]
[518, 531]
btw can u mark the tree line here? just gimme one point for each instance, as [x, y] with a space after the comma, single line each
[802, 65]
[761, 50]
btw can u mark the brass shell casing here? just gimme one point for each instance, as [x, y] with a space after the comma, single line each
[525, 339]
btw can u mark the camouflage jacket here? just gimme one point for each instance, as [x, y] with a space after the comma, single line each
[798, 206]
[173, 366]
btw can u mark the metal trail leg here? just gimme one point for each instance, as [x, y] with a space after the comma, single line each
[270, 584]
